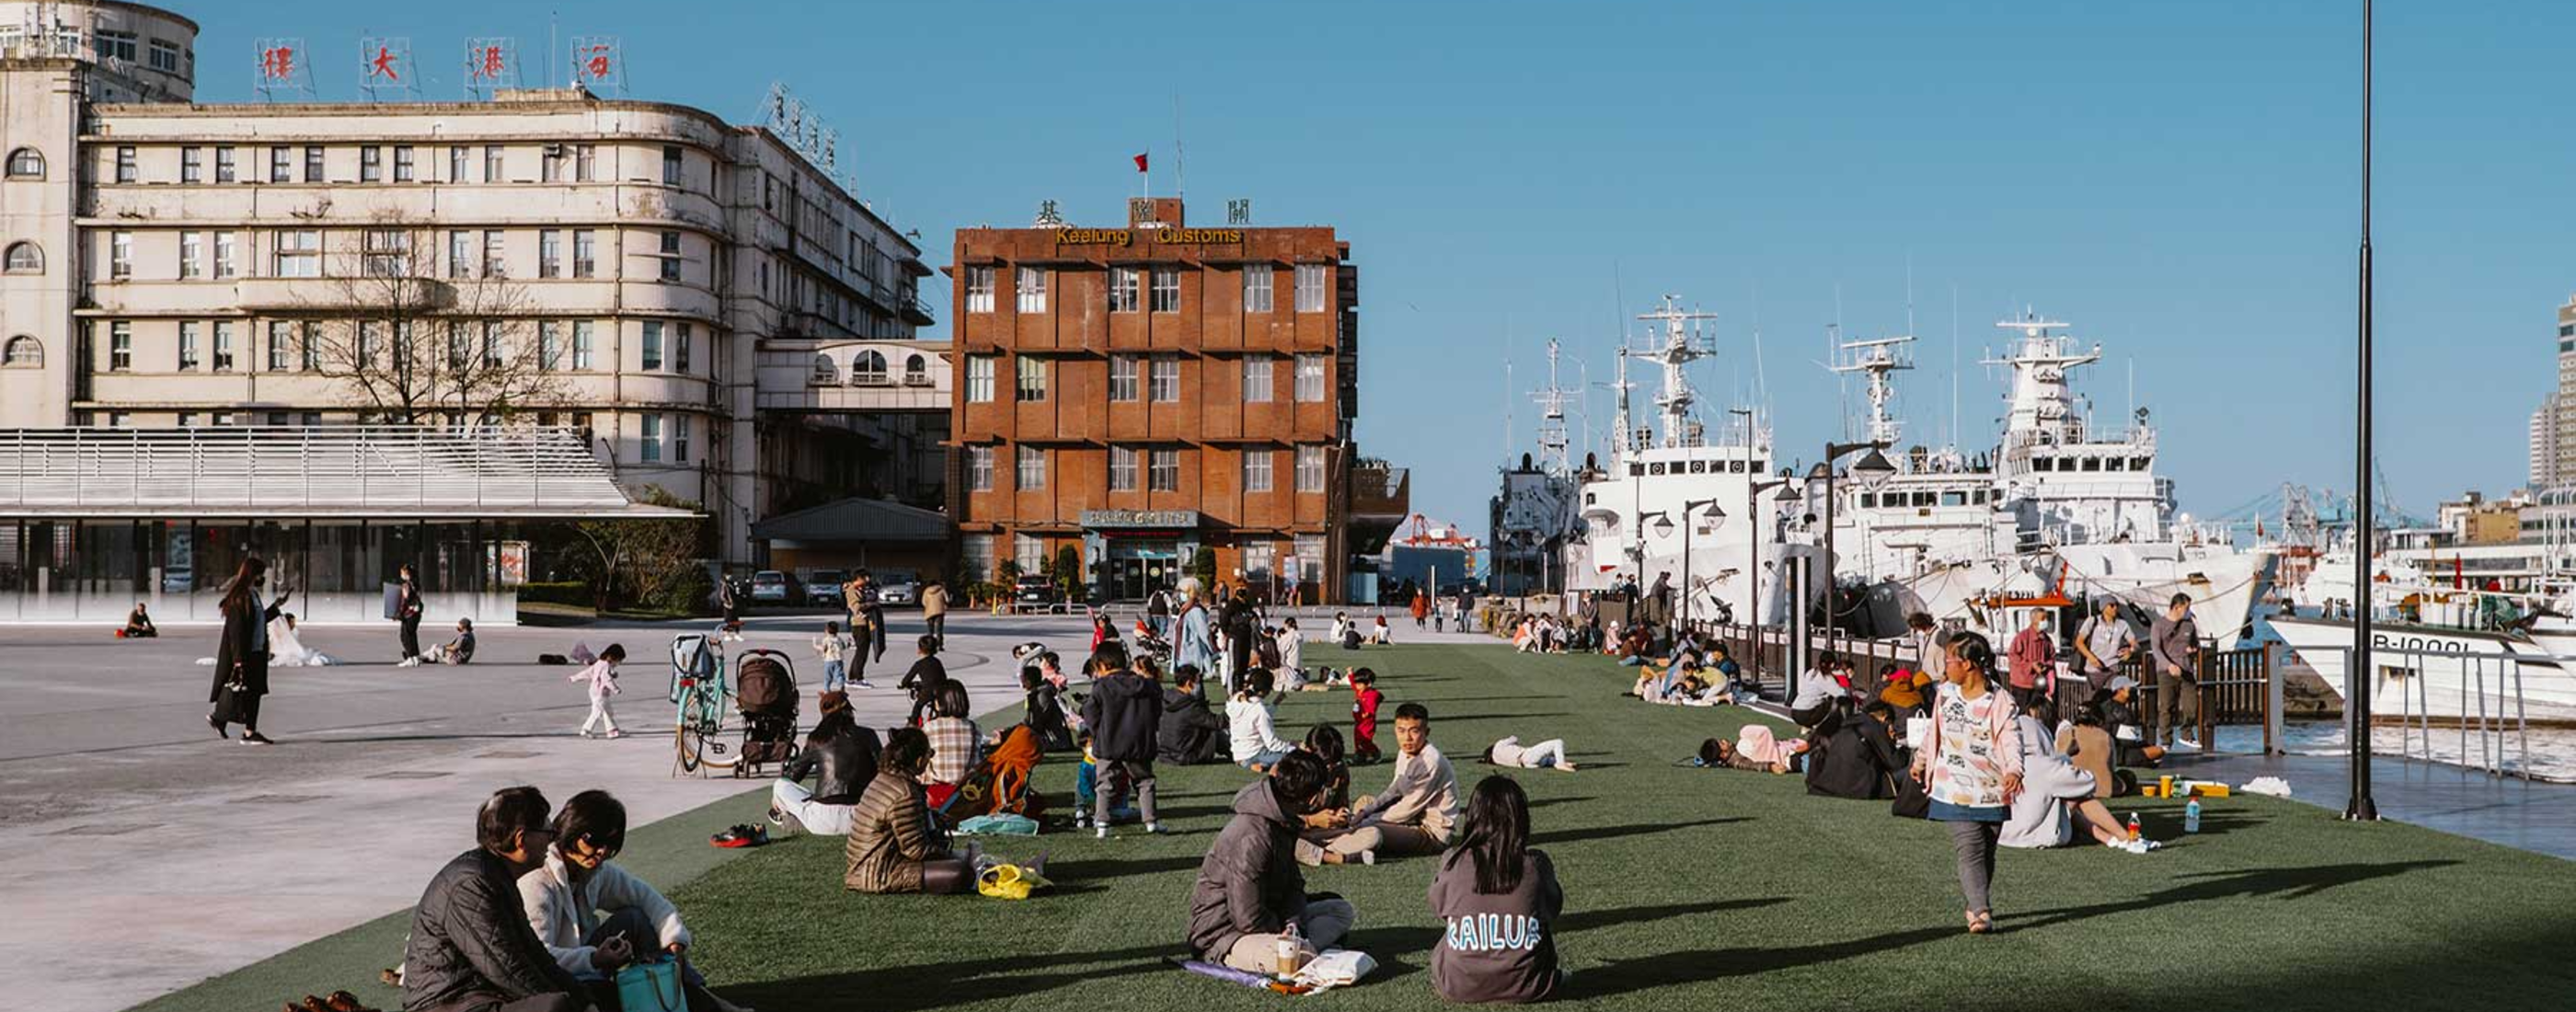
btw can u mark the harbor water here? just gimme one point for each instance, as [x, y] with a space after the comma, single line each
[2552, 750]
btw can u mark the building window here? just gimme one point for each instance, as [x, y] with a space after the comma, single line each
[1122, 289]
[491, 163]
[1032, 379]
[187, 346]
[370, 338]
[299, 253]
[1310, 556]
[671, 256]
[125, 171]
[23, 353]
[550, 163]
[1031, 284]
[223, 345]
[312, 163]
[670, 165]
[581, 344]
[1167, 289]
[281, 165]
[652, 438]
[120, 254]
[1122, 469]
[1257, 282]
[680, 438]
[310, 348]
[459, 355]
[867, 368]
[976, 553]
[491, 344]
[114, 45]
[1163, 471]
[1311, 279]
[549, 345]
[120, 346]
[385, 253]
[1167, 380]
[192, 165]
[456, 164]
[494, 266]
[402, 164]
[460, 254]
[585, 162]
[280, 335]
[585, 252]
[1257, 372]
[1032, 469]
[26, 258]
[164, 56]
[1310, 469]
[680, 348]
[916, 371]
[549, 253]
[1256, 470]
[371, 164]
[192, 251]
[652, 345]
[1030, 553]
[26, 163]
[979, 379]
[1310, 378]
[979, 468]
[1122, 377]
[225, 172]
[226, 263]
[979, 289]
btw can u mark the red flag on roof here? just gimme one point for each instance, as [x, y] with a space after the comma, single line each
[1140, 163]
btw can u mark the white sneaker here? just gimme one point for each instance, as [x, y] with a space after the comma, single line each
[1368, 857]
[2186, 741]
[1155, 828]
[584, 732]
[1104, 832]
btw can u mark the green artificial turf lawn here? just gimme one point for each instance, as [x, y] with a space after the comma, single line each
[1685, 889]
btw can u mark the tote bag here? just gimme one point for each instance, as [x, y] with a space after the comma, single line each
[651, 987]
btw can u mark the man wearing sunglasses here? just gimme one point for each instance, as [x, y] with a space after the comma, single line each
[470, 948]
[592, 916]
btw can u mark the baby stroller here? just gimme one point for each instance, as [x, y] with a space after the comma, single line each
[765, 694]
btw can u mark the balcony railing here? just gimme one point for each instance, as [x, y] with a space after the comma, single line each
[1381, 492]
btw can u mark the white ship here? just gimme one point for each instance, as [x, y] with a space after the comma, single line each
[2441, 651]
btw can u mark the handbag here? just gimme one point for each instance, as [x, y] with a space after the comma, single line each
[239, 681]
[651, 987]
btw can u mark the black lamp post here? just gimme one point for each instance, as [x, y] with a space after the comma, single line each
[2357, 674]
[1870, 470]
[1688, 507]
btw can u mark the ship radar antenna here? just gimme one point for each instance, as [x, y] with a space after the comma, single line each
[1876, 359]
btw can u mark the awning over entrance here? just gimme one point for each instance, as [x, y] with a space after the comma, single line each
[855, 520]
[350, 472]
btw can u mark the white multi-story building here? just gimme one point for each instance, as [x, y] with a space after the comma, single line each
[2543, 438]
[715, 314]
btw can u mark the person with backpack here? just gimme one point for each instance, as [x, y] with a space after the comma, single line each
[1250, 899]
[1500, 899]
[1122, 713]
[1189, 731]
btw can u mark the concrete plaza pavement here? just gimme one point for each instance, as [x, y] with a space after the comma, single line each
[153, 855]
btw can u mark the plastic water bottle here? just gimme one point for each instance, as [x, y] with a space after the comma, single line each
[2191, 816]
[2133, 825]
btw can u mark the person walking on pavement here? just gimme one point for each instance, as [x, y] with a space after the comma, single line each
[407, 609]
[934, 609]
[2175, 642]
[1421, 607]
[241, 657]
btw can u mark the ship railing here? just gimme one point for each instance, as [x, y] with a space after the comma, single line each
[2492, 723]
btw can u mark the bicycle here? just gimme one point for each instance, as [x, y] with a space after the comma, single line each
[699, 694]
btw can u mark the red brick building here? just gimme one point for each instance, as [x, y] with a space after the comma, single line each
[1151, 392]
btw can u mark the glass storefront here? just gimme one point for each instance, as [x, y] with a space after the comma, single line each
[95, 570]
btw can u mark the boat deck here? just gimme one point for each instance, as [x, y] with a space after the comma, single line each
[2537, 816]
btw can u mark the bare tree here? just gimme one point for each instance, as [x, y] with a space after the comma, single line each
[413, 343]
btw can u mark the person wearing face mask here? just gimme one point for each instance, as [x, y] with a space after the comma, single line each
[241, 657]
[592, 916]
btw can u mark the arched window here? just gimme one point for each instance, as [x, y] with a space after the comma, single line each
[825, 373]
[867, 367]
[25, 258]
[26, 163]
[916, 370]
[23, 352]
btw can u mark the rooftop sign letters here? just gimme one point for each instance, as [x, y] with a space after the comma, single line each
[1140, 518]
[1123, 237]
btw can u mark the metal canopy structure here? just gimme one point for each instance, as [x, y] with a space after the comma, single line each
[354, 472]
[872, 520]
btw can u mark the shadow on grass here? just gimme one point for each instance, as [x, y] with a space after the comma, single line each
[1632, 829]
[1101, 871]
[940, 985]
[2251, 883]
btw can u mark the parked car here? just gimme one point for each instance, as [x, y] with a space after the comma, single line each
[898, 586]
[823, 587]
[769, 586]
[1034, 590]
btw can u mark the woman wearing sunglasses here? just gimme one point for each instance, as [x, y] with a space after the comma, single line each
[593, 917]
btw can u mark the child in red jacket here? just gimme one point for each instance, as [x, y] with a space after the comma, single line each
[1364, 703]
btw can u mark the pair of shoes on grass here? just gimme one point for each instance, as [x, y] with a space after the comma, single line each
[742, 834]
[339, 1001]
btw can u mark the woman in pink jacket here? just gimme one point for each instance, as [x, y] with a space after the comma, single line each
[1971, 768]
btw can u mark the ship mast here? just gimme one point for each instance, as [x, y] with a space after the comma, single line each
[2041, 403]
[1878, 358]
[1553, 445]
[1683, 344]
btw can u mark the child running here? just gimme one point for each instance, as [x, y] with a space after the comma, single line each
[602, 678]
[1549, 754]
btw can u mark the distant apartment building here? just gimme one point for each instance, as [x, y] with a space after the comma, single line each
[2555, 450]
[712, 312]
[2543, 438]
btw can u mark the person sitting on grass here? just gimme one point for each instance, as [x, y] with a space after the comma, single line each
[2057, 796]
[470, 948]
[2084, 741]
[1755, 748]
[1044, 712]
[1549, 754]
[138, 624]
[895, 846]
[1902, 689]
[956, 744]
[1251, 729]
[1419, 807]
[841, 755]
[1324, 742]
[593, 917]
[2120, 717]
[1188, 733]
[1249, 891]
[1861, 760]
[1500, 900]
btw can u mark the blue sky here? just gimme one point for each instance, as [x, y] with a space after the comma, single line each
[2178, 179]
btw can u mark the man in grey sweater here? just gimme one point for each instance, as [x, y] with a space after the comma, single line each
[2175, 644]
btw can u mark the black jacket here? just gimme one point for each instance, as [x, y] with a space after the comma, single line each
[241, 628]
[842, 756]
[925, 677]
[1123, 712]
[1190, 732]
[1858, 761]
[1249, 883]
[470, 935]
[1045, 718]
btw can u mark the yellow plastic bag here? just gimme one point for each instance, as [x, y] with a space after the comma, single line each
[1009, 882]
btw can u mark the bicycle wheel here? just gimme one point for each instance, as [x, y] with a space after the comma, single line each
[690, 740]
[715, 752]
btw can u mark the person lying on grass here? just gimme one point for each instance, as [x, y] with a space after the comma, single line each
[1419, 807]
[1249, 889]
[593, 917]
[1755, 748]
[1500, 900]
[1549, 754]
